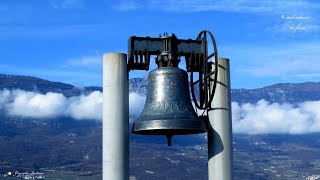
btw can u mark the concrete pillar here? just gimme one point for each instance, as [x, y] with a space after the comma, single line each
[220, 150]
[115, 117]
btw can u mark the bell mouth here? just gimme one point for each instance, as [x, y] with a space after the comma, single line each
[168, 131]
[165, 127]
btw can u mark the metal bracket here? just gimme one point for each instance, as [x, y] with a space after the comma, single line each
[168, 50]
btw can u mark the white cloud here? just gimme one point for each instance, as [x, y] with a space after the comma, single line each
[30, 104]
[86, 61]
[66, 4]
[136, 105]
[244, 6]
[4, 98]
[51, 105]
[263, 117]
[86, 106]
[288, 60]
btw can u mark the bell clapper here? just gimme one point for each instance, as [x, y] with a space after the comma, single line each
[169, 137]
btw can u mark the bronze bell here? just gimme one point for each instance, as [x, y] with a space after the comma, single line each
[168, 110]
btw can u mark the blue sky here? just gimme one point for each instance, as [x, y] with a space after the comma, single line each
[63, 40]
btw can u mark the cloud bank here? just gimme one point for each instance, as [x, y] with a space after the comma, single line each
[52, 105]
[136, 105]
[263, 117]
[260, 118]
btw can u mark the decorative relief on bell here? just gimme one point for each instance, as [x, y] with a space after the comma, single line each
[171, 107]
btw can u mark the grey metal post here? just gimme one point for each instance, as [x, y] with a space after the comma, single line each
[220, 150]
[115, 117]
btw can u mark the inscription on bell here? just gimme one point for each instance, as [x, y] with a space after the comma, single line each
[165, 84]
[171, 107]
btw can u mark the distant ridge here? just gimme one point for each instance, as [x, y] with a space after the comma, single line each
[29, 83]
[279, 93]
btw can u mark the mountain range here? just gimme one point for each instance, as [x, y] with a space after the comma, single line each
[280, 93]
[65, 145]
